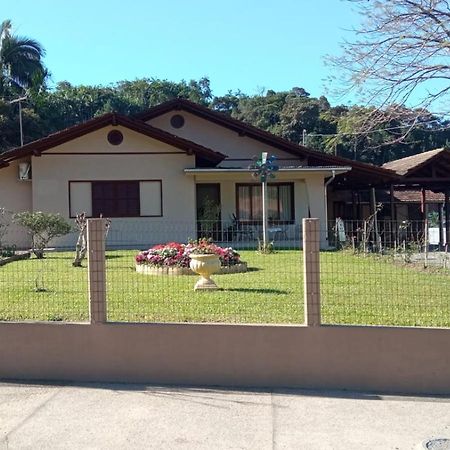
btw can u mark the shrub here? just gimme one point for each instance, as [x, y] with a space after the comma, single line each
[42, 227]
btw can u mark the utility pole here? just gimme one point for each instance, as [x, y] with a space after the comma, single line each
[19, 101]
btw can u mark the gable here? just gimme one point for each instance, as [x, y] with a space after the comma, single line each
[96, 143]
[425, 164]
[205, 155]
[238, 147]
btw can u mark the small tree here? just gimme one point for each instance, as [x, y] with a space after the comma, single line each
[81, 246]
[42, 227]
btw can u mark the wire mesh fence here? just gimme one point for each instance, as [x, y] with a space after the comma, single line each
[149, 277]
[381, 273]
[47, 288]
[386, 273]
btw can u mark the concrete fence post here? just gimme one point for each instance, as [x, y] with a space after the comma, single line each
[96, 270]
[311, 271]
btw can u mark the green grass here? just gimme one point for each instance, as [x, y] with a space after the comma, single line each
[355, 290]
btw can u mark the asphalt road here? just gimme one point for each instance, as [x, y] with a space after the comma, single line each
[109, 416]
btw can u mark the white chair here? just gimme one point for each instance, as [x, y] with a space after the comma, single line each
[277, 231]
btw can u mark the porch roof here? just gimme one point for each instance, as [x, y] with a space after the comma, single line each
[290, 170]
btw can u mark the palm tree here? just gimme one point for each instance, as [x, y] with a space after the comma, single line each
[21, 65]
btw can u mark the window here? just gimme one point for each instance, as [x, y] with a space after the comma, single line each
[177, 121]
[280, 204]
[116, 198]
[115, 137]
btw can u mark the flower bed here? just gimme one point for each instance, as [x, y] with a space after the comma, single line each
[173, 258]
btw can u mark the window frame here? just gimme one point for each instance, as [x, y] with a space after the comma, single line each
[119, 181]
[259, 221]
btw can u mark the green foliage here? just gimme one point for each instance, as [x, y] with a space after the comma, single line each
[42, 227]
[208, 215]
[265, 249]
[433, 219]
[21, 65]
[8, 251]
[285, 114]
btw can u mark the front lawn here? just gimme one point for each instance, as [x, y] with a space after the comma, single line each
[355, 290]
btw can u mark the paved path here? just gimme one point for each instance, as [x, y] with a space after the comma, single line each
[134, 416]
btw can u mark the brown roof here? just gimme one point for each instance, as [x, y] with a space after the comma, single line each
[314, 157]
[114, 119]
[415, 196]
[405, 166]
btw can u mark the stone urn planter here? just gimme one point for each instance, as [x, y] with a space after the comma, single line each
[205, 265]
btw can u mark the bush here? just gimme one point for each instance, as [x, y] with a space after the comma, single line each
[42, 227]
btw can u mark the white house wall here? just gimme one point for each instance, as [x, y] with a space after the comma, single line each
[240, 150]
[55, 168]
[15, 196]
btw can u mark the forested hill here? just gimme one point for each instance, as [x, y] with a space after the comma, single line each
[331, 129]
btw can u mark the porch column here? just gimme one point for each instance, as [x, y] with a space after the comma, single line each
[316, 201]
[373, 203]
[393, 205]
[354, 206]
[441, 231]
[424, 205]
[447, 217]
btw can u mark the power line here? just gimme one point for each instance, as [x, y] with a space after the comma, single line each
[359, 133]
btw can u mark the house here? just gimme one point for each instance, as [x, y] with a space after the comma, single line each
[153, 173]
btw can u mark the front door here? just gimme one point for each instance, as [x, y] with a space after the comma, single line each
[208, 211]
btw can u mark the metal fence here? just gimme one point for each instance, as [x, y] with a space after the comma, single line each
[152, 281]
[386, 273]
[370, 274]
[41, 289]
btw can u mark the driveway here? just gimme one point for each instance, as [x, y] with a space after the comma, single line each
[109, 416]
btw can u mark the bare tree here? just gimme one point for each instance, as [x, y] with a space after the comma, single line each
[81, 245]
[400, 56]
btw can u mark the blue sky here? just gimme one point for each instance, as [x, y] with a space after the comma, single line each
[246, 45]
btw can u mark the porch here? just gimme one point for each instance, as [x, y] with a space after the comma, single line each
[229, 203]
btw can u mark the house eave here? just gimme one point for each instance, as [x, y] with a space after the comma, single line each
[217, 170]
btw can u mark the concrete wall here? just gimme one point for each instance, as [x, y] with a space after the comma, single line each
[359, 358]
